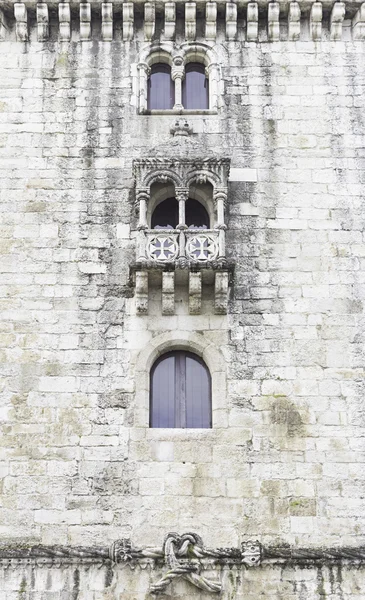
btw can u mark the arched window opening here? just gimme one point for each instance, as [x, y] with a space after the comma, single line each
[180, 395]
[195, 215]
[161, 90]
[195, 92]
[166, 215]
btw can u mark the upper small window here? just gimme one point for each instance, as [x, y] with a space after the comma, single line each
[180, 392]
[161, 95]
[195, 93]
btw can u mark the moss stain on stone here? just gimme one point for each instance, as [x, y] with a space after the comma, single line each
[284, 412]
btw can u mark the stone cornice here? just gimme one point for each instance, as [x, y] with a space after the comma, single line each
[272, 13]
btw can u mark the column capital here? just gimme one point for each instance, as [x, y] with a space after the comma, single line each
[220, 194]
[144, 67]
[181, 194]
[178, 68]
[143, 194]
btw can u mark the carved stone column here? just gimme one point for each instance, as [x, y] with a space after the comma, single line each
[220, 202]
[142, 196]
[182, 194]
[143, 74]
[177, 74]
[212, 73]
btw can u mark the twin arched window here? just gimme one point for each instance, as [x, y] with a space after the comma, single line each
[180, 392]
[166, 215]
[161, 88]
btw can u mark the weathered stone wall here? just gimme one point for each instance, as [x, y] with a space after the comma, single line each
[106, 583]
[282, 464]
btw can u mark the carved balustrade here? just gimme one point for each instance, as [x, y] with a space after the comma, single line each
[168, 246]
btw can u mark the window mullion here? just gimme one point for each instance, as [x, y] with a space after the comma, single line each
[180, 386]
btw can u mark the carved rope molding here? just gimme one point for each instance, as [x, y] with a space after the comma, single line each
[181, 556]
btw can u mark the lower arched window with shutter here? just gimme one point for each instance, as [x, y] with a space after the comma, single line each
[180, 392]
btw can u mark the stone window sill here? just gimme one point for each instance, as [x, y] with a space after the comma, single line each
[179, 112]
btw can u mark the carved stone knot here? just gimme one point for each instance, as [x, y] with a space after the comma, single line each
[181, 127]
[177, 550]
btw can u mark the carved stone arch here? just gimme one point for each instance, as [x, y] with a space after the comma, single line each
[199, 52]
[161, 53]
[162, 175]
[199, 344]
[148, 57]
[202, 53]
[202, 175]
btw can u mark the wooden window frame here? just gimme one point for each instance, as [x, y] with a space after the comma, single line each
[180, 378]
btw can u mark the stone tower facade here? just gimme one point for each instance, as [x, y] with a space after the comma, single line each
[267, 500]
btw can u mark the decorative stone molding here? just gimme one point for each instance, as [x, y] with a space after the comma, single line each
[294, 21]
[142, 292]
[315, 21]
[21, 18]
[85, 21]
[252, 21]
[3, 25]
[250, 554]
[358, 24]
[195, 293]
[42, 22]
[211, 21]
[107, 21]
[128, 22]
[168, 293]
[221, 292]
[336, 20]
[181, 171]
[334, 14]
[170, 20]
[231, 20]
[64, 16]
[273, 25]
[190, 21]
[181, 127]
[149, 20]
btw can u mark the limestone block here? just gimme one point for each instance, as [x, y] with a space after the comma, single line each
[231, 20]
[358, 24]
[252, 21]
[273, 21]
[42, 21]
[21, 18]
[85, 21]
[336, 20]
[170, 20]
[190, 21]
[128, 20]
[315, 21]
[64, 16]
[294, 21]
[210, 21]
[195, 293]
[107, 21]
[149, 20]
